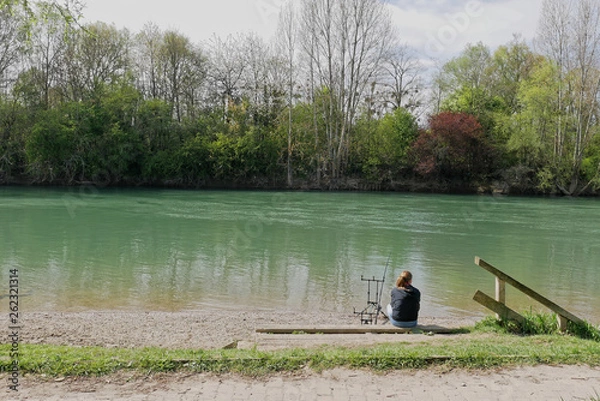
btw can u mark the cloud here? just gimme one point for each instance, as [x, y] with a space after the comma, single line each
[435, 28]
[197, 20]
[441, 29]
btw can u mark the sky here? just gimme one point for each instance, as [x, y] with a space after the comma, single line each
[436, 29]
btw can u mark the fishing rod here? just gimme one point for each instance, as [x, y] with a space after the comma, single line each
[371, 312]
[381, 289]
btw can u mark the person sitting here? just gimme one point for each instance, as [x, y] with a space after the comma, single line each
[403, 310]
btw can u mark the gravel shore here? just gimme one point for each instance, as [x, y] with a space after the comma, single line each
[190, 329]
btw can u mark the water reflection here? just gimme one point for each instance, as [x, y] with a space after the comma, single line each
[175, 250]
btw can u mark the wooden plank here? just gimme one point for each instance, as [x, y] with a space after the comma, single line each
[363, 329]
[527, 291]
[502, 311]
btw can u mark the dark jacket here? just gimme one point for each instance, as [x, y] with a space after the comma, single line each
[405, 304]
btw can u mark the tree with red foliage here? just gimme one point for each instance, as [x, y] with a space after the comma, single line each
[454, 148]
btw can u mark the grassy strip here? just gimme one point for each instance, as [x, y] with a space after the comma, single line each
[490, 344]
[472, 352]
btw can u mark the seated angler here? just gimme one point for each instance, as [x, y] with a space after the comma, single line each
[403, 310]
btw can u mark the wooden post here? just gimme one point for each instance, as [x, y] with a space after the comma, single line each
[562, 323]
[500, 293]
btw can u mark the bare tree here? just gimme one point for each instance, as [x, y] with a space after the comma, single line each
[11, 40]
[148, 45]
[226, 69]
[347, 41]
[256, 55]
[98, 55]
[288, 38]
[570, 36]
[554, 37]
[47, 45]
[586, 66]
[183, 70]
[402, 82]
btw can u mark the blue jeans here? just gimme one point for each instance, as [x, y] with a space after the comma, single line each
[402, 325]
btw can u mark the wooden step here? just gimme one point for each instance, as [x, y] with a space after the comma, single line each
[362, 329]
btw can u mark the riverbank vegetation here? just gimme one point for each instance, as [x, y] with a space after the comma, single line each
[487, 345]
[344, 105]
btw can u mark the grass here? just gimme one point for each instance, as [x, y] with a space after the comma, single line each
[538, 324]
[490, 344]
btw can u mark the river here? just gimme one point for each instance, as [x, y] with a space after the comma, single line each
[86, 248]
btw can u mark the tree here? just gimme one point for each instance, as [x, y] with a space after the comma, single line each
[70, 9]
[511, 65]
[532, 129]
[570, 36]
[454, 148]
[345, 43]
[226, 67]
[13, 126]
[183, 67]
[47, 45]
[382, 145]
[465, 81]
[96, 56]
[553, 38]
[288, 35]
[53, 147]
[11, 39]
[148, 48]
[401, 82]
[486, 85]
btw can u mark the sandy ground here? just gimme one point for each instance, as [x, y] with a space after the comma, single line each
[217, 329]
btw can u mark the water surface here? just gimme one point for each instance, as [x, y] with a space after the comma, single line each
[89, 249]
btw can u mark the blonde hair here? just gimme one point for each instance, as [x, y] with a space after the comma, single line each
[404, 279]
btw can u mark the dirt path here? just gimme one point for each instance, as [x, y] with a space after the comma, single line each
[527, 383]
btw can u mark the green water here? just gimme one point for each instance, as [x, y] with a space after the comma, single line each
[90, 249]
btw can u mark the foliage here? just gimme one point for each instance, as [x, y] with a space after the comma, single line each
[51, 147]
[454, 148]
[93, 103]
[381, 147]
[12, 147]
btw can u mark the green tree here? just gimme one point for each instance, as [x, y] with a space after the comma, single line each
[13, 125]
[382, 145]
[511, 64]
[53, 148]
[486, 85]
[531, 131]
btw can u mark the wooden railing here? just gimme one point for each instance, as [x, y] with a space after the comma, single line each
[498, 304]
